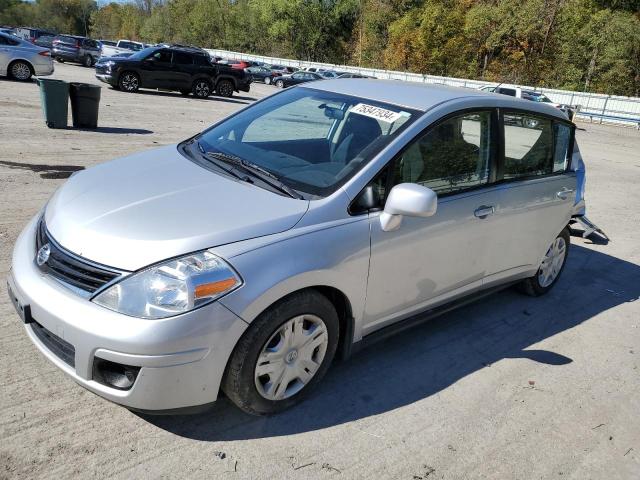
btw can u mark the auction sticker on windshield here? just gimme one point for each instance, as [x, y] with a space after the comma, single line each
[378, 113]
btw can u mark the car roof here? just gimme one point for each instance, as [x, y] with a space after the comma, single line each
[422, 96]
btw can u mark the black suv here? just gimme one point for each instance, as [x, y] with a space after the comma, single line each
[172, 67]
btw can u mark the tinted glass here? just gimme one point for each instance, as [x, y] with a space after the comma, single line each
[561, 153]
[452, 156]
[201, 60]
[313, 141]
[528, 145]
[507, 91]
[182, 58]
[161, 56]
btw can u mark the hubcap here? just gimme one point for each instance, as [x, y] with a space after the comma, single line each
[291, 357]
[20, 71]
[552, 262]
[202, 89]
[225, 89]
[130, 82]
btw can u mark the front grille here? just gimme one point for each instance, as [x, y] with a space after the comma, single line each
[61, 349]
[70, 269]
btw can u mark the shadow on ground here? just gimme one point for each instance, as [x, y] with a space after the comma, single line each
[117, 130]
[46, 171]
[427, 359]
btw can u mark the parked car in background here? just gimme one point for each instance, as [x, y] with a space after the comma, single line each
[262, 74]
[8, 30]
[74, 48]
[531, 95]
[21, 59]
[328, 74]
[296, 79]
[45, 41]
[247, 258]
[110, 43]
[282, 69]
[184, 69]
[122, 46]
[31, 34]
[353, 75]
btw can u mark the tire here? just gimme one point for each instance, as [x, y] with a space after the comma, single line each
[279, 84]
[225, 88]
[277, 344]
[201, 88]
[59, 60]
[552, 265]
[129, 82]
[21, 71]
[267, 80]
[87, 61]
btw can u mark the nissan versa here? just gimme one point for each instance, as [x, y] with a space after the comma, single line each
[247, 258]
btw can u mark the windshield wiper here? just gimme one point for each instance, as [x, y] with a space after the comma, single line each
[256, 170]
[220, 165]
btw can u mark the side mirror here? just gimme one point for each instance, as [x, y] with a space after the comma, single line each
[408, 199]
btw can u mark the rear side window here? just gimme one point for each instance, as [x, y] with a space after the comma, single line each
[182, 58]
[528, 146]
[453, 156]
[507, 91]
[562, 135]
[201, 60]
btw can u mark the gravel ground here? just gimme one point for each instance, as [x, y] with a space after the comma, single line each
[510, 387]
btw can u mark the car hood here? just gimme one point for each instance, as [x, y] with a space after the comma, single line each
[141, 209]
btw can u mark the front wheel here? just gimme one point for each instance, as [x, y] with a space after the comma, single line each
[129, 82]
[267, 80]
[201, 89]
[283, 354]
[87, 61]
[279, 84]
[550, 268]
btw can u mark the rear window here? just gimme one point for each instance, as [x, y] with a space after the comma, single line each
[67, 40]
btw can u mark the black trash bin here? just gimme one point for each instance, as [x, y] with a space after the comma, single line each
[54, 95]
[85, 100]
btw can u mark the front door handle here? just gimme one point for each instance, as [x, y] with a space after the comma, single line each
[564, 193]
[484, 211]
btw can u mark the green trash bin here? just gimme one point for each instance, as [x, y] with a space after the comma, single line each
[85, 100]
[54, 96]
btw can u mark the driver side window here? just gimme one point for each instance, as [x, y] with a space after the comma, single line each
[452, 156]
[162, 56]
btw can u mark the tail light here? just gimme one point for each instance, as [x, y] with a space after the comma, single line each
[45, 53]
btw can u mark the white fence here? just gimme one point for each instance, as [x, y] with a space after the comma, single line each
[593, 106]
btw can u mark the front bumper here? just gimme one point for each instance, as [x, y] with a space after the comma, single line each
[182, 358]
[106, 78]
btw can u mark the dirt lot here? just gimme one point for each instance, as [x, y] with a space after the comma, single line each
[508, 388]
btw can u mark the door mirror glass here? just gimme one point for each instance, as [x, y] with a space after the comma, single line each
[408, 199]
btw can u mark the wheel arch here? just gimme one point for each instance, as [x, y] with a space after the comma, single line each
[231, 78]
[20, 59]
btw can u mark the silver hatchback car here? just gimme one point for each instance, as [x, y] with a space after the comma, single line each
[295, 231]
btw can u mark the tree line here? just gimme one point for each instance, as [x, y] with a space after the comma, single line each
[585, 45]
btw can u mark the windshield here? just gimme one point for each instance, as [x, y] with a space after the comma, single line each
[142, 54]
[310, 140]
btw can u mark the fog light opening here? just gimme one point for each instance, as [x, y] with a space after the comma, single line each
[114, 375]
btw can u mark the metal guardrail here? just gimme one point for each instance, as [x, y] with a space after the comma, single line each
[604, 108]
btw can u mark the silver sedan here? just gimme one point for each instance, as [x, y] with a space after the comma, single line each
[250, 256]
[21, 60]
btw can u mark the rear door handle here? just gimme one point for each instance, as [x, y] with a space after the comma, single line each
[564, 193]
[483, 211]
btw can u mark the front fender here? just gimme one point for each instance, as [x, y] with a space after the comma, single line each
[337, 257]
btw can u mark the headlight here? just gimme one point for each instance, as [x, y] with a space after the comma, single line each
[172, 287]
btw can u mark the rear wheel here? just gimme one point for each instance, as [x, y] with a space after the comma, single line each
[21, 71]
[201, 88]
[550, 268]
[279, 84]
[283, 354]
[267, 80]
[129, 82]
[60, 59]
[225, 88]
[87, 61]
